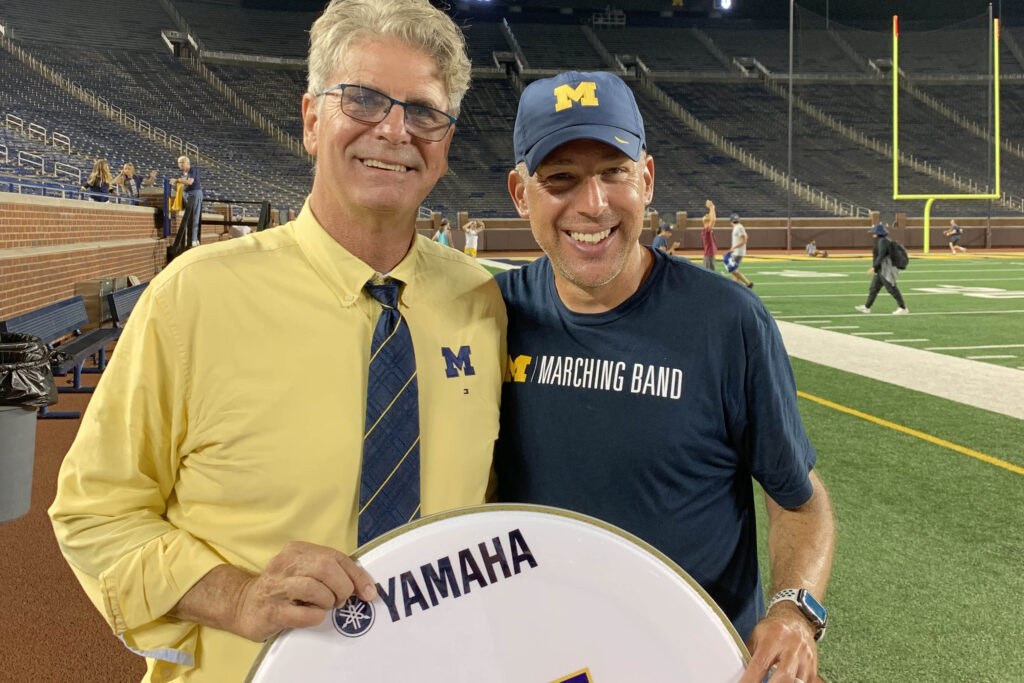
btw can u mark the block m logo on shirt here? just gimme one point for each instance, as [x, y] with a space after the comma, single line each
[456, 363]
[585, 93]
[515, 371]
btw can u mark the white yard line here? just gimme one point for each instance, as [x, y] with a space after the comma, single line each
[810, 322]
[839, 327]
[987, 357]
[972, 348]
[982, 385]
[856, 295]
[896, 341]
[797, 318]
[804, 281]
[871, 334]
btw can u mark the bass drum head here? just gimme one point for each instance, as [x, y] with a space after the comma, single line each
[513, 594]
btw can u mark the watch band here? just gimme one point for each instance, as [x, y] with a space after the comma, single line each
[800, 598]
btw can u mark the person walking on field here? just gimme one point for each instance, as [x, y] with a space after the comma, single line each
[884, 272]
[734, 256]
[707, 236]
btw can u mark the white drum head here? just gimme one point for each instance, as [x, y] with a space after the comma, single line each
[514, 594]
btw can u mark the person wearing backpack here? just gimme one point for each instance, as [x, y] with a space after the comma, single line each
[884, 271]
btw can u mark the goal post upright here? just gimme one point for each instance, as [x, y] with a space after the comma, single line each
[931, 197]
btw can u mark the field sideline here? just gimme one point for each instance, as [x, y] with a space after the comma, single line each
[928, 489]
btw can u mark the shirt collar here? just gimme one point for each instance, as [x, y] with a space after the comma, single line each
[343, 272]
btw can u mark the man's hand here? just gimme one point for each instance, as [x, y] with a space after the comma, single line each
[709, 204]
[783, 639]
[296, 590]
[674, 246]
[871, 270]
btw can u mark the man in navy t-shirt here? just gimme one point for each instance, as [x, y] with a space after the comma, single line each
[608, 337]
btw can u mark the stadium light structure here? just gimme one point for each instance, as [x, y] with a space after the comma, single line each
[724, 5]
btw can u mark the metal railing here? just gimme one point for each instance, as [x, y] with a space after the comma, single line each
[290, 142]
[42, 189]
[67, 171]
[805, 191]
[100, 104]
[30, 160]
[959, 182]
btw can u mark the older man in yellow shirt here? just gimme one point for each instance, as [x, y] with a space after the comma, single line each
[212, 494]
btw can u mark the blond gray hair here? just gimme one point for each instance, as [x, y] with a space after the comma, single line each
[414, 22]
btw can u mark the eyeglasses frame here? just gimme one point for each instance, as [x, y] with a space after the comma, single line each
[340, 88]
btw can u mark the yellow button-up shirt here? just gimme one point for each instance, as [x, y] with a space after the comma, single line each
[230, 422]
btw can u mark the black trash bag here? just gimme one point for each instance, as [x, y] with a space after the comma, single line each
[25, 377]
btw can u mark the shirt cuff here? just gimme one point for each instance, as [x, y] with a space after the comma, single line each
[147, 583]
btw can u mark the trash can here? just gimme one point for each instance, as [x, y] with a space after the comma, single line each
[26, 384]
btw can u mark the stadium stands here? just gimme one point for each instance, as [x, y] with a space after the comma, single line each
[116, 52]
[249, 31]
[661, 49]
[553, 46]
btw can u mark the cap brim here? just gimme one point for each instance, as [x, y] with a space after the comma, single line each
[620, 139]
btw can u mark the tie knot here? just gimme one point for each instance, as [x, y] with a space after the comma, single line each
[386, 294]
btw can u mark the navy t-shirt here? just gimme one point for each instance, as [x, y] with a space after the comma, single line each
[659, 242]
[654, 417]
[193, 172]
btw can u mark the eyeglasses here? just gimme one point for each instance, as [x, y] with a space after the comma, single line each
[370, 106]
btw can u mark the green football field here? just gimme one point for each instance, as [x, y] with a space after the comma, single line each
[928, 580]
[967, 307]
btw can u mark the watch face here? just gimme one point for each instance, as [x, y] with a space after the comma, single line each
[813, 606]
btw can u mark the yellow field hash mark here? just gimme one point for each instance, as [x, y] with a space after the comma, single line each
[913, 432]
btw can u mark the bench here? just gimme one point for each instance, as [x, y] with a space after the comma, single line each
[55, 322]
[121, 304]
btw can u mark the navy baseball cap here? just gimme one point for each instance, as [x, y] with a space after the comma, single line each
[735, 218]
[879, 229]
[594, 105]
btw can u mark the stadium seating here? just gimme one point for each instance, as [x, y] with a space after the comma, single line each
[116, 52]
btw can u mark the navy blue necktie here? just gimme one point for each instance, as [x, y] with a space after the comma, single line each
[389, 492]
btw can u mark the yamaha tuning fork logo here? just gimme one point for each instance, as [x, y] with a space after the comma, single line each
[354, 618]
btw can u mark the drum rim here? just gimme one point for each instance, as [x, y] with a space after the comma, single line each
[543, 509]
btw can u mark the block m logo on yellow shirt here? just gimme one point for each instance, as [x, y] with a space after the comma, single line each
[585, 93]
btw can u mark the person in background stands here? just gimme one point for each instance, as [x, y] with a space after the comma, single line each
[707, 235]
[128, 181]
[954, 232]
[681, 348]
[213, 494]
[99, 182]
[193, 209]
[472, 230]
[884, 272]
[661, 239]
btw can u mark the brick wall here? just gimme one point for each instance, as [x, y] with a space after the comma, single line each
[49, 244]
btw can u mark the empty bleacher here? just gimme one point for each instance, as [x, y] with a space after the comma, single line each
[814, 51]
[228, 28]
[116, 52]
[557, 46]
[660, 49]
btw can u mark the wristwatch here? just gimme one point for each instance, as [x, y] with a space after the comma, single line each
[811, 608]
